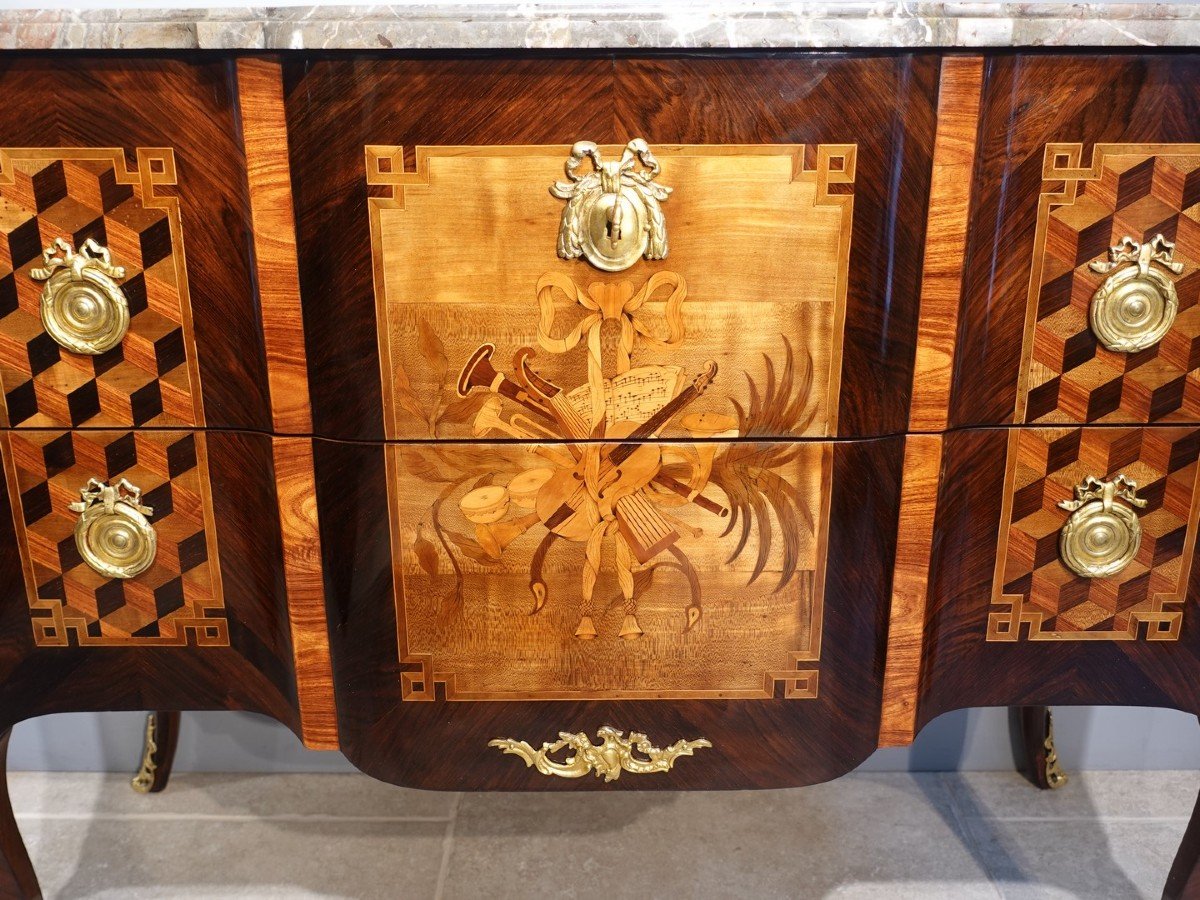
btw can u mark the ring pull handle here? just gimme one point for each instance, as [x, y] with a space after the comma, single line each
[1135, 306]
[1102, 536]
[113, 533]
[83, 308]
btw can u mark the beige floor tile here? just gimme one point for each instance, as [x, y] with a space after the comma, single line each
[224, 795]
[136, 859]
[1080, 859]
[1089, 795]
[862, 837]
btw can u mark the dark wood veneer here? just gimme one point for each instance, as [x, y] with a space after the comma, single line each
[757, 743]
[188, 104]
[1030, 100]
[885, 104]
[960, 668]
[335, 105]
[254, 672]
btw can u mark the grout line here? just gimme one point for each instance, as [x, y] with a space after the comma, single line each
[218, 817]
[447, 848]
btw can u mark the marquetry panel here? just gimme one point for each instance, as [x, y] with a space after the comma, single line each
[722, 600]
[178, 600]
[464, 255]
[1035, 595]
[151, 377]
[1087, 206]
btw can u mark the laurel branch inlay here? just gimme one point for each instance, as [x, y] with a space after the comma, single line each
[632, 519]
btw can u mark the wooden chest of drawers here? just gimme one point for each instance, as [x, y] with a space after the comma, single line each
[702, 595]
[676, 421]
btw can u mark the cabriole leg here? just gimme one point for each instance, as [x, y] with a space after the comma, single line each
[1033, 745]
[162, 734]
[17, 878]
[1183, 883]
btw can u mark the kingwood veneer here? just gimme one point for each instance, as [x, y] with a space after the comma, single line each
[415, 488]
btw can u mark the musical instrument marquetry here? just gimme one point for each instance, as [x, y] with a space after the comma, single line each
[361, 392]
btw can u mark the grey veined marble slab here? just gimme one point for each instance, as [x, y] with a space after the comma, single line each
[604, 25]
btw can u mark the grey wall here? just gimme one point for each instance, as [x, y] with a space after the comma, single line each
[1087, 738]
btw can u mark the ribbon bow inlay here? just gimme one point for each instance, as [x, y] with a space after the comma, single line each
[617, 302]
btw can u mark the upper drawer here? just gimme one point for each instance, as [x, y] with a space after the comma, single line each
[106, 320]
[604, 224]
[1082, 274]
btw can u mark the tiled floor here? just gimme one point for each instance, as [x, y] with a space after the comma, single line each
[986, 835]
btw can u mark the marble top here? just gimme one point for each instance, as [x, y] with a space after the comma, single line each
[566, 24]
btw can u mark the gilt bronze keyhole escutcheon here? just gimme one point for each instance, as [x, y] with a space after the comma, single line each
[83, 307]
[1136, 305]
[612, 217]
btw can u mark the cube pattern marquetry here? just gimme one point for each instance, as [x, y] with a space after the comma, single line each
[1037, 596]
[178, 600]
[150, 378]
[1069, 376]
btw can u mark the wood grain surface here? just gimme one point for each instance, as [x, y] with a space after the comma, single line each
[75, 195]
[910, 586]
[1088, 209]
[933, 340]
[299, 527]
[252, 671]
[264, 133]
[960, 667]
[179, 599]
[671, 612]
[440, 743]
[1035, 595]
[1039, 114]
[946, 240]
[755, 277]
[437, 736]
[1028, 102]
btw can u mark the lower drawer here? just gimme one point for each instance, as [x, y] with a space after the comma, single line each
[1064, 569]
[484, 601]
[141, 569]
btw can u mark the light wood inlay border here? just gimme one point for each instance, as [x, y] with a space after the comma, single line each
[299, 525]
[910, 583]
[264, 131]
[946, 240]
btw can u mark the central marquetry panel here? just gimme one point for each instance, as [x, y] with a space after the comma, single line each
[725, 607]
[632, 515]
[464, 255]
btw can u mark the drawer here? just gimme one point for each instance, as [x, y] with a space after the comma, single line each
[127, 294]
[598, 488]
[779, 229]
[1065, 550]
[143, 569]
[1082, 268]
[465, 612]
